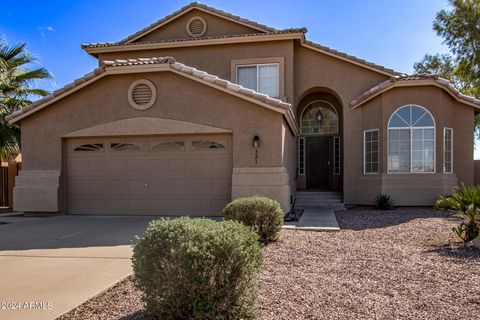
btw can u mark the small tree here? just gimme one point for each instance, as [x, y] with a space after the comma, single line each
[463, 203]
[17, 88]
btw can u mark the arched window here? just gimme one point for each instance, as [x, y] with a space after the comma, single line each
[411, 141]
[319, 117]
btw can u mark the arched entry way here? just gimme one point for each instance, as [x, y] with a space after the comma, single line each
[320, 142]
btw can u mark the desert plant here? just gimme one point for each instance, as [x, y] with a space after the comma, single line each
[264, 215]
[198, 269]
[464, 203]
[383, 202]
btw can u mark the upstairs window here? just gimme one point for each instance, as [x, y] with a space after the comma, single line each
[411, 141]
[263, 78]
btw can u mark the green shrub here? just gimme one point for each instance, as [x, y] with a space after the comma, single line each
[264, 215]
[383, 202]
[463, 203]
[198, 269]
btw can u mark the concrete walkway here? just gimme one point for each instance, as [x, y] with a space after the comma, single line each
[50, 265]
[318, 219]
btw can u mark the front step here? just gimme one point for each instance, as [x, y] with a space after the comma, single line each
[319, 199]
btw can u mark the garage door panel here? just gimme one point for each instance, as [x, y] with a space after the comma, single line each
[157, 166]
[199, 188]
[220, 188]
[173, 179]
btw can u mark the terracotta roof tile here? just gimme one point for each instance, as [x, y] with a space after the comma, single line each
[415, 79]
[118, 44]
[170, 61]
[350, 57]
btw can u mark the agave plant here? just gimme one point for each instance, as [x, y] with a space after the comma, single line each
[463, 203]
[383, 202]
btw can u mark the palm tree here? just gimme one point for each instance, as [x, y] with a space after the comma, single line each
[17, 88]
[463, 203]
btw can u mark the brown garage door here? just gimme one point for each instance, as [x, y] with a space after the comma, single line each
[175, 175]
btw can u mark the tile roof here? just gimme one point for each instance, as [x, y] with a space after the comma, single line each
[414, 80]
[253, 24]
[171, 63]
[341, 54]
[117, 44]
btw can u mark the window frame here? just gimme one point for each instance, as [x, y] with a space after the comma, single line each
[451, 150]
[332, 107]
[365, 153]
[337, 166]
[234, 63]
[257, 65]
[301, 154]
[411, 129]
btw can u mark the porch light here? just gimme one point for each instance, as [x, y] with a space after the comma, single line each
[256, 142]
[319, 117]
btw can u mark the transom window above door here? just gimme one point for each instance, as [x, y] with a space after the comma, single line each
[263, 78]
[319, 117]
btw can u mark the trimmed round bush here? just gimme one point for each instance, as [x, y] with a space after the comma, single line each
[198, 269]
[264, 215]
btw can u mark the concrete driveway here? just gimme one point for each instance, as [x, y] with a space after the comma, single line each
[50, 265]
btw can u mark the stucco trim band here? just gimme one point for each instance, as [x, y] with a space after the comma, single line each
[145, 126]
[96, 48]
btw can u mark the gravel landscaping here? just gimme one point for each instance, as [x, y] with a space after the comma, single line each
[399, 264]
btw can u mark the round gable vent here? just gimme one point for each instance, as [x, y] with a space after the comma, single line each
[141, 94]
[196, 27]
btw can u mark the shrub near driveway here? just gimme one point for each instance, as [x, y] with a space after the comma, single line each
[198, 269]
[262, 214]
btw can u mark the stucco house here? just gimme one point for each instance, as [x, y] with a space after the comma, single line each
[203, 106]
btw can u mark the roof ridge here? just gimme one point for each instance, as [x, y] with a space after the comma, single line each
[192, 5]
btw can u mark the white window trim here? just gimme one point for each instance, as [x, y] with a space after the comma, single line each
[257, 65]
[365, 149]
[299, 154]
[451, 151]
[411, 140]
[339, 156]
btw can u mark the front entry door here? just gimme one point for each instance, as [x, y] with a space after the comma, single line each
[319, 162]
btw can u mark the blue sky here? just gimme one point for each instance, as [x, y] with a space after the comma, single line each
[395, 34]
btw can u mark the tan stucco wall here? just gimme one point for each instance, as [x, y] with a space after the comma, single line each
[217, 59]
[215, 27]
[178, 99]
[410, 189]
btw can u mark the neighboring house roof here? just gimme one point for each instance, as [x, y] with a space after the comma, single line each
[414, 80]
[153, 65]
[201, 7]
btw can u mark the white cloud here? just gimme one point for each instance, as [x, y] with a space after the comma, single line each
[44, 30]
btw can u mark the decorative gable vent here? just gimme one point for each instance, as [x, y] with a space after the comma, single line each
[142, 94]
[196, 27]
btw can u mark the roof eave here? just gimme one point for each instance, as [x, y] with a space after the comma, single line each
[440, 83]
[345, 57]
[94, 51]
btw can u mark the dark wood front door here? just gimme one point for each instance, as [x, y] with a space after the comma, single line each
[319, 162]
